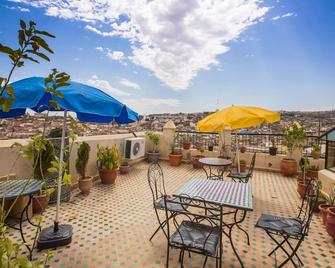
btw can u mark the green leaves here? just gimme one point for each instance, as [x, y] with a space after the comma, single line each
[30, 42]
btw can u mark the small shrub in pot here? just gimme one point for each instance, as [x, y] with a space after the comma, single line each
[195, 159]
[85, 182]
[316, 151]
[154, 137]
[124, 167]
[108, 161]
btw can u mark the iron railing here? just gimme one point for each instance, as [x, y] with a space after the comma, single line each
[254, 142]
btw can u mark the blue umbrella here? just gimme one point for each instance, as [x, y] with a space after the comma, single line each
[90, 105]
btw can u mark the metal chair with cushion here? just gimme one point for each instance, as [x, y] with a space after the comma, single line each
[196, 228]
[243, 176]
[284, 231]
[157, 187]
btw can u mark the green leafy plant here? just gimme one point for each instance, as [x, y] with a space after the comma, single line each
[154, 138]
[31, 46]
[294, 137]
[331, 195]
[304, 165]
[108, 157]
[200, 147]
[125, 162]
[316, 147]
[83, 155]
[175, 150]
[314, 168]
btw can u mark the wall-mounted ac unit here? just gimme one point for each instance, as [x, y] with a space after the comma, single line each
[134, 148]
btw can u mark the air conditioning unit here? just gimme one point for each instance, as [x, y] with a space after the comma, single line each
[134, 148]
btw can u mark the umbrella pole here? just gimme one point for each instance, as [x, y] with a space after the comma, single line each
[60, 171]
[59, 234]
[237, 153]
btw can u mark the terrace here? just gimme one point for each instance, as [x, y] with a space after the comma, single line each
[112, 225]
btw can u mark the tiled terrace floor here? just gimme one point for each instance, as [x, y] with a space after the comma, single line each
[112, 225]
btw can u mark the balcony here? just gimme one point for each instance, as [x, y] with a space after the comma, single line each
[112, 225]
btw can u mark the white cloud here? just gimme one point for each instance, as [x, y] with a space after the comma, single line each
[284, 16]
[130, 84]
[113, 55]
[106, 87]
[174, 39]
[22, 9]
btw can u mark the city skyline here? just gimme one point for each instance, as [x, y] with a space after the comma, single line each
[154, 56]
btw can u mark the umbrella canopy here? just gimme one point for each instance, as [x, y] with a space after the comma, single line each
[89, 103]
[236, 117]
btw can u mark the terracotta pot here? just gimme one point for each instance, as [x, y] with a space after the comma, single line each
[108, 176]
[40, 203]
[85, 185]
[124, 169]
[317, 205]
[152, 157]
[175, 159]
[316, 154]
[186, 145]
[301, 188]
[195, 161]
[243, 149]
[288, 167]
[243, 168]
[330, 223]
[323, 209]
[314, 174]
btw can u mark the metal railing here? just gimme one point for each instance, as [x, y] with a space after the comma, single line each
[254, 142]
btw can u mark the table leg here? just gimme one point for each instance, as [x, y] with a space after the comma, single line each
[25, 211]
[207, 175]
[236, 223]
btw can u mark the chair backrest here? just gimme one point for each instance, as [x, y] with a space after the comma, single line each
[252, 165]
[156, 181]
[196, 210]
[308, 204]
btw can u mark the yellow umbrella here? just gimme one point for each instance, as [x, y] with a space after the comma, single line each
[236, 117]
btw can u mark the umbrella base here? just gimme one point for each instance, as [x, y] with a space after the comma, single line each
[55, 236]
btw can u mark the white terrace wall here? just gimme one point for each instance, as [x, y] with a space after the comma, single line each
[11, 163]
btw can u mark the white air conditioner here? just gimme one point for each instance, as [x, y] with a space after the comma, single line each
[134, 148]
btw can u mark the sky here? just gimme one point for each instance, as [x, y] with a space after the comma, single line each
[187, 56]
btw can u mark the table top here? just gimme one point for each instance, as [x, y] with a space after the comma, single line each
[214, 161]
[225, 193]
[22, 187]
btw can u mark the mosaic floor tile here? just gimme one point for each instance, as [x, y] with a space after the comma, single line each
[113, 224]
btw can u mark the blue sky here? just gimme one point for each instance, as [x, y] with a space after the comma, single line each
[188, 56]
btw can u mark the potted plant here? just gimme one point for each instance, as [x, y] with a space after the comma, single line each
[108, 161]
[154, 137]
[330, 220]
[243, 149]
[195, 159]
[85, 182]
[302, 180]
[186, 142]
[294, 139]
[316, 151]
[124, 167]
[210, 146]
[41, 151]
[313, 172]
[175, 157]
[273, 148]
[243, 166]
[330, 202]
[321, 199]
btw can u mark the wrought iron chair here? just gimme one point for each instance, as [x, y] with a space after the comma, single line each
[196, 228]
[157, 187]
[243, 176]
[289, 230]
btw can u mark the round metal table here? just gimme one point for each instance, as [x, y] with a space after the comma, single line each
[216, 166]
[12, 189]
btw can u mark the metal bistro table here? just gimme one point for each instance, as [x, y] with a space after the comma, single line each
[216, 166]
[233, 195]
[11, 189]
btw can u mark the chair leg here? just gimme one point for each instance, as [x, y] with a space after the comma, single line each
[167, 256]
[283, 249]
[294, 253]
[158, 228]
[205, 262]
